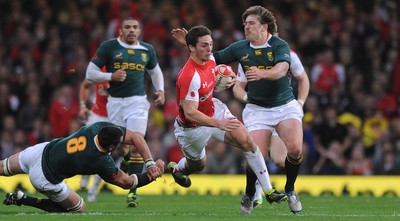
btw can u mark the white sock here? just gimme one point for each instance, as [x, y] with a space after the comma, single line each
[181, 165]
[257, 164]
[258, 194]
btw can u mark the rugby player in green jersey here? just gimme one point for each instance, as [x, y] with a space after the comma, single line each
[126, 60]
[84, 152]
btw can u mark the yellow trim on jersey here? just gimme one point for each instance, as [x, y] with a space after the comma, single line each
[136, 160]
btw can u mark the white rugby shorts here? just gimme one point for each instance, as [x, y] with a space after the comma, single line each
[130, 112]
[260, 118]
[194, 140]
[30, 160]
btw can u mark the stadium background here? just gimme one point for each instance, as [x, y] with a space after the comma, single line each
[45, 47]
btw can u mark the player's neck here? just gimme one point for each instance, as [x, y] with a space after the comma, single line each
[197, 60]
[123, 41]
[262, 40]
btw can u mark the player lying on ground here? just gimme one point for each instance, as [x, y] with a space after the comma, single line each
[87, 151]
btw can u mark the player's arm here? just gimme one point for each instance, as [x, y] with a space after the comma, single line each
[94, 74]
[136, 180]
[194, 115]
[303, 88]
[157, 78]
[179, 34]
[297, 69]
[277, 71]
[239, 89]
[143, 149]
[83, 96]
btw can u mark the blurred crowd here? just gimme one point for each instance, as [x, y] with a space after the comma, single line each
[349, 48]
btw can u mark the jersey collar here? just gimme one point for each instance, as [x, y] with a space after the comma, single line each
[265, 45]
[97, 143]
[136, 46]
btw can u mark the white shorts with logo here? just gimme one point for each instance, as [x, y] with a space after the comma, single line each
[193, 140]
[93, 118]
[30, 160]
[130, 112]
[260, 118]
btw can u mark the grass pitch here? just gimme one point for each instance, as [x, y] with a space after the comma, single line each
[196, 207]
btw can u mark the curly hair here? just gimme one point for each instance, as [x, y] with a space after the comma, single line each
[264, 16]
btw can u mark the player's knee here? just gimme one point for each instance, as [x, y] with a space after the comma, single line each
[280, 162]
[295, 153]
[80, 207]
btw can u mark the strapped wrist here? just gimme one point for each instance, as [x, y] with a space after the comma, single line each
[245, 98]
[149, 163]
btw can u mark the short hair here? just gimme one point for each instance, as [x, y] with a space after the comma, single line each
[110, 135]
[128, 19]
[264, 16]
[193, 35]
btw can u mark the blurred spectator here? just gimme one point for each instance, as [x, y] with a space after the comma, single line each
[63, 109]
[327, 74]
[220, 159]
[331, 161]
[330, 131]
[358, 163]
[6, 144]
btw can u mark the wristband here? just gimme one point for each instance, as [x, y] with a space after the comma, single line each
[149, 163]
[82, 104]
[301, 101]
[245, 98]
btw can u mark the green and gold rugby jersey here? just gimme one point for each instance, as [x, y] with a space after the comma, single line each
[265, 93]
[114, 54]
[78, 153]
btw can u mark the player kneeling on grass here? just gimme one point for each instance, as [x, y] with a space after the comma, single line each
[85, 152]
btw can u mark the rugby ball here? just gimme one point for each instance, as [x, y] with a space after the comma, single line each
[222, 76]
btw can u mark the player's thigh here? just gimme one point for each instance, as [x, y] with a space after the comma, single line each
[262, 138]
[240, 138]
[277, 151]
[291, 133]
[10, 166]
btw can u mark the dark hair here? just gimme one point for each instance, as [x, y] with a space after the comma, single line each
[264, 16]
[195, 33]
[110, 135]
[128, 19]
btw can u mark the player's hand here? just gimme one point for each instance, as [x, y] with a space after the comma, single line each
[84, 113]
[179, 34]
[229, 124]
[154, 172]
[254, 74]
[232, 81]
[119, 75]
[160, 100]
[161, 165]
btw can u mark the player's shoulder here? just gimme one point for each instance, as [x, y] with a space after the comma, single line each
[293, 54]
[275, 41]
[146, 45]
[240, 44]
[110, 43]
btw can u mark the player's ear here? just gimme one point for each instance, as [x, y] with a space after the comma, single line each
[191, 48]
